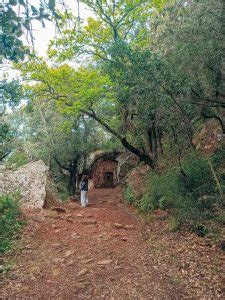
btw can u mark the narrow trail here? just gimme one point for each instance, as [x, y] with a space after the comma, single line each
[98, 252]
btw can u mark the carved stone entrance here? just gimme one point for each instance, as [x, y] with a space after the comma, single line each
[108, 179]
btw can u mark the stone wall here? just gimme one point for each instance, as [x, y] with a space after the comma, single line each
[101, 167]
[34, 183]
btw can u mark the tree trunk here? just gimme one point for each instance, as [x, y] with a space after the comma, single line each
[160, 140]
[72, 184]
[72, 169]
[155, 143]
[142, 156]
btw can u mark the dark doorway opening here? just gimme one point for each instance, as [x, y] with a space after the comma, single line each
[109, 179]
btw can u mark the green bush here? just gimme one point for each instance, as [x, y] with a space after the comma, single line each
[199, 175]
[144, 204]
[61, 183]
[10, 220]
[162, 191]
[16, 160]
[193, 198]
[128, 195]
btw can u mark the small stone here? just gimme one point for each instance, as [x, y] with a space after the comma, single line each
[124, 239]
[89, 222]
[55, 272]
[56, 245]
[58, 260]
[104, 262]
[119, 226]
[74, 235]
[117, 268]
[83, 272]
[79, 215]
[87, 261]
[88, 216]
[68, 253]
[71, 263]
[116, 234]
[59, 209]
[57, 230]
[80, 256]
[68, 216]
[129, 227]
[112, 278]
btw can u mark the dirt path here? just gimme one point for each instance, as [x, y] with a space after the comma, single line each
[88, 254]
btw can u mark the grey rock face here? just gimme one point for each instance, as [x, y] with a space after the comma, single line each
[126, 162]
[32, 180]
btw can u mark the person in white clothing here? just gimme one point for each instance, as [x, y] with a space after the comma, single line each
[84, 191]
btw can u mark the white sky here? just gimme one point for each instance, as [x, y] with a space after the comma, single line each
[44, 34]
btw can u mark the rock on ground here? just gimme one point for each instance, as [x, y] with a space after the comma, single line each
[33, 182]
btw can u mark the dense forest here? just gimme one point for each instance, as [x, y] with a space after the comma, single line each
[144, 77]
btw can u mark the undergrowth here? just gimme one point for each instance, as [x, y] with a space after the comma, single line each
[16, 160]
[191, 196]
[10, 220]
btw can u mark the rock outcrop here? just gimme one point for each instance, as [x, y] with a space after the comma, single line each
[34, 184]
[136, 180]
[126, 162]
[210, 138]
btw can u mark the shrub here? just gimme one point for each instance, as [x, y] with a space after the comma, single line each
[193, 198]
[145, 204]
[16, 160]
[10, 220]
[162, 191]
[128, 195]
[200, 178]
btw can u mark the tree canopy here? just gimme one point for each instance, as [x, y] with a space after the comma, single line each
[146, 74]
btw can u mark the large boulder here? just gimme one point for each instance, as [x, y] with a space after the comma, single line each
[210, 138]
[137, 180]
[126, 162]
[34, 183]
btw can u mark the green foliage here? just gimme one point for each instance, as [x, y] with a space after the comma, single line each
[12, 95]
[145, 203]
[6, 137]
[12, 92]
[193, 199]
[128, 195]
[10, 220]
[61, 183]
[17, 17]
[163, 191]
[149, 73]
[200, 179]
[16, 160]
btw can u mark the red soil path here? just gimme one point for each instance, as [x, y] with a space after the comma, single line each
[84, 254]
